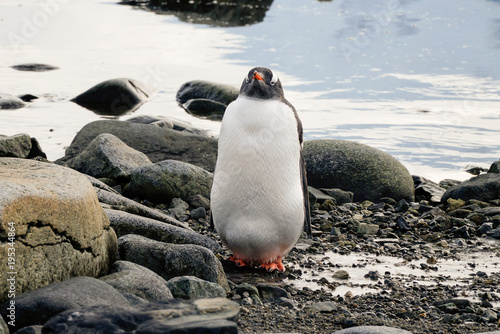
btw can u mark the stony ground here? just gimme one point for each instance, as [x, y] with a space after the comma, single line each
[420, 234]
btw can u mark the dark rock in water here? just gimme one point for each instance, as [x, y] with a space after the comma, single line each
[16, 146]
[10, 102]
[107, 156]
[340, 196]
[114, 97]
[36, 150]
[372, 330]
[170, 260]
[131, 278]
[38, 306]
[190, 287]
[213, 13]
[156, 142]
[483, 187]
[125, 223]
[205, 108]
[34, 67]
[367, 172]
[165, 180]
[199, 89]
[427, 190]
[495, 167]
[208, 316]
[28, 97]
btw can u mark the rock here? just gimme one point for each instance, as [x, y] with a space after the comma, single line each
[198, 213]
[36, 150]
[495, 167]
[4, 329]
[427, 190]
[367, 172]
[107, 156]
[484, 228]
[341, 274]
[28, 97]
[157, 143]
[169, 260]
[131, 278]
[163, 181]
[272, 292]
[190, 287]
[210, 316]
[370, 229]
[61, 230]
[118, 202]
[199, 89]
[17, 146]
[340, 196]
[10, 102]
[125, 223]
[494, 233]
[171, 123]
[35, 329]
[114, 97]
[38, 306]
[372, 330]
[317, 196]
[322, 307]
[205, 108]
[34, 67]
[199, 201]
[483, 187]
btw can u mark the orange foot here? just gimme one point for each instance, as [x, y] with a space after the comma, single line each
[276, 265]
[237, 262]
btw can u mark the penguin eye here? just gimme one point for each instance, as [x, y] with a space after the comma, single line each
[274, 79]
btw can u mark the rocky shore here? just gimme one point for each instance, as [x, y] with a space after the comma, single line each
[116, 237]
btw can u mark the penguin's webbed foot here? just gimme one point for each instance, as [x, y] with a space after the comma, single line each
[272, 266]
[238, 262]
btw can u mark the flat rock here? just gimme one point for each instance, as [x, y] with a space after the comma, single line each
[35, 67]
[131, 278]
[107, 156]
[210, 316]
[10, 102]
[38, 306]
[114, 97]
[427, 190]
[199, 89]
[372, 330]
[125, 223]
[158, 143]
[484, 187]
[169, 179]
[61, 230]
[191, 287]
[367, 172]
[17, 146]
[170, 260]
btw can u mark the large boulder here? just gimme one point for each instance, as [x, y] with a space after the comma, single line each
[199, 89]
[125, 223]
[165, 180]
[38, 306]
[158, 143]
[17, 146]
[367, 172]
[484, 187]
[114, 97]
[190, 287]
[170, 260]
[208, 316]
[10, 102]
[59, 230]
[107, 156]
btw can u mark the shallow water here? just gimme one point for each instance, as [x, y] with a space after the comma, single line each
[417, 79]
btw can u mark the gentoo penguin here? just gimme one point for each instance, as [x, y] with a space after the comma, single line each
[259, 197]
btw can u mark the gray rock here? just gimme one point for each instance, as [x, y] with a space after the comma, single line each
[190, 287]
[10, 102]
[130, 278]
[427, 190]
[370, 229]
[484, 228]
[156, 142]
[61, 229]
[107, 156]
[17, 146]
[35, 329]
[271, 291]
[169, 179]
[125, 223]
[199, 89]
[38, 306]
[323, 307]
[198, 213]
[199, 201]
[340, 196]
[494, 233]
[372, 330]
[36, 150]
[483, 187]
[114, 97]
[216, 315]
[495, 167]
[169, 260]
[171, 123]
[121, 203]
[34, 67]
[99, 185]
[367, 172]
[205, 108]
[317, 196]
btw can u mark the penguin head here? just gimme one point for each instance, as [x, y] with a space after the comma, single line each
[262, 84]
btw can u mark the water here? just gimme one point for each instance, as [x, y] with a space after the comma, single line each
[417, 79]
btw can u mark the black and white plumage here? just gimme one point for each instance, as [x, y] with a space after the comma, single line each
[259, 195]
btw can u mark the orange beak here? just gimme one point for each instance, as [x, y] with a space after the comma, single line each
[257, 76]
